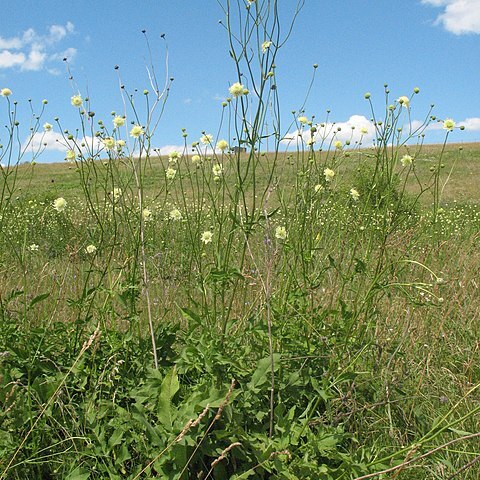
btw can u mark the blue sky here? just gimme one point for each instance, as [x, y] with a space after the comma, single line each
[358, 46]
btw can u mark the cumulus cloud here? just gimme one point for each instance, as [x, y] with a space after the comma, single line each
[351, 131]
[459, 16]
[31, 51]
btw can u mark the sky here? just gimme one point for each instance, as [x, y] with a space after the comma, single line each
[358, 45]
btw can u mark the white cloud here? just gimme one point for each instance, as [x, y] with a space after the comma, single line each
[458, 16]
[32, 52]
[9, 59]
[333, 131]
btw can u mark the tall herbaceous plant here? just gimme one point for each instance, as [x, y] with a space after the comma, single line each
[246, 306]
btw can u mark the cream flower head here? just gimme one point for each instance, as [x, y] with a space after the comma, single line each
[136, 131]
[76, 101]
[206, 139]
[206, 237]
[281, 233]
[47, 126]
[329, 174]
[118, 121]
[60, 204]
[222, 145]
[236, 90]
[449, 124]
[404, 101]
[354, 194]
[5, 92]
[91, 249]
[109, 142]
[406, 160]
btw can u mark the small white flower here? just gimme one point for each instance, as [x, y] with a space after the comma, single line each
[47, 127]
[33, 247]
[173, 157]
[120, 144]
[217, 170]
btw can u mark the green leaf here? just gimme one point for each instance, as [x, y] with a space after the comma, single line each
[38, 298]
[168, 389]
[78, 475]
[261, 374]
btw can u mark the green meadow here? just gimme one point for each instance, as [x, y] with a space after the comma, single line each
[309, 313]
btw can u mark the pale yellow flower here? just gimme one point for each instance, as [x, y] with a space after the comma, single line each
[170, 173]
[217, 170]
[266, 45]
[207, 139]
[449, 124]
[338, 144]
[329, 174]
[354, 194]
[118, 121]
[76, 101]
[120, 144]
[91, 249]
[33, 247]
[303, 120]
[222, 145]
[60, 204]
[173, 157]
[109, 142]
[196, 159]
[281, 233]
[136, 131]
[236, 90]
[175, 214]
[146, 214]
[70, 156]
[406, 160]
[404, 101]
[318, 188]
[206, 237]
[5, 92]
[47, 127]
[117, 193]
[363, 131]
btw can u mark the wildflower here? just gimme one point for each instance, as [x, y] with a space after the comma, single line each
[146, 214]
[196, 159]
[222, 145]
[91, 249]
[118, 121]
[136, 131]
[170, 173]
[116, 193]
[120, 144]
[303, 120]
[60, 204]
[338, 144]
[318, 188]
[175, 214]
[109, 142]
[266, 45]
[33, 247]
[207, 139]
[217, 170]
[76, 101]
[47, 127]
[236, 90]
[406, 160]
[354, 194]
[404, 101]
[449, 124]
[173, 156]
[329, 174]
[5, 92]
[363, 131]
[70, 156]
[206, 237]
[311, 141]
[281, 233]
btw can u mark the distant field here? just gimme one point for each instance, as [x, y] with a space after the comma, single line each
[461, 172]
